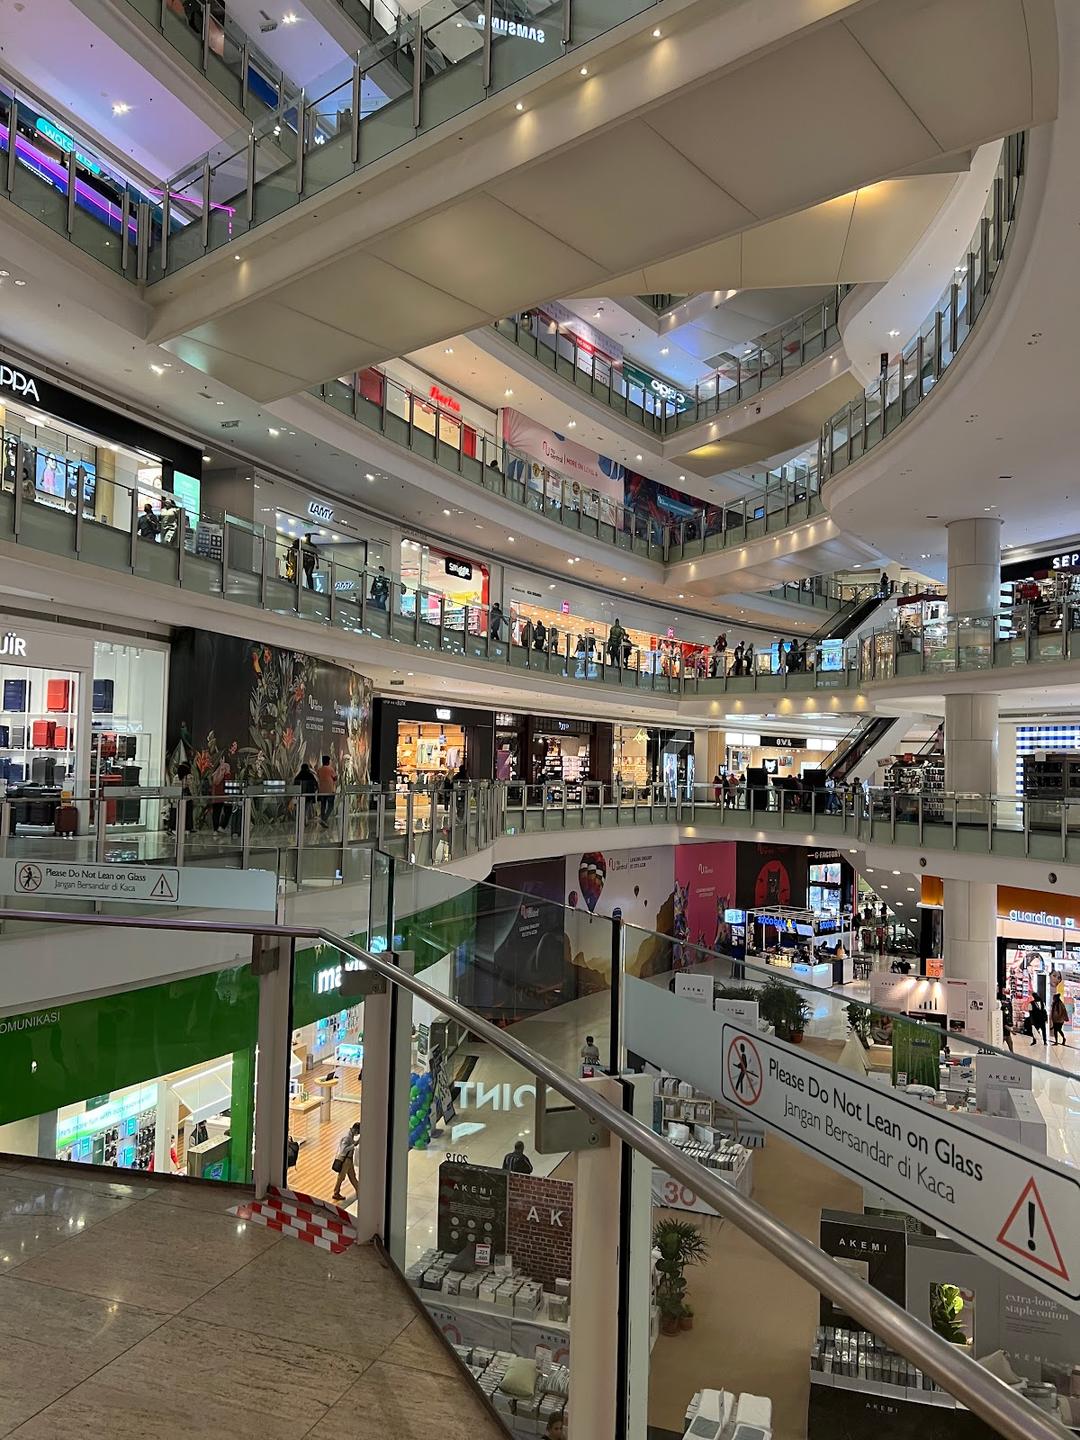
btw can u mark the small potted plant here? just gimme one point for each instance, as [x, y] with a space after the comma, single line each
[798, 1018]
[858, 1018]
[677, 1244]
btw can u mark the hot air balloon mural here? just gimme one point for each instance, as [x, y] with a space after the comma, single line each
[592, 872]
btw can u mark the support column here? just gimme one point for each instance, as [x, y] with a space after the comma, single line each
[969, 922]
[974, 563]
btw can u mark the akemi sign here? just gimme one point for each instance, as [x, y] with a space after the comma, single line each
[19, 382]
[1014, 1207]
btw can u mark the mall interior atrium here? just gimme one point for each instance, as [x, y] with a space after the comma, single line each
[538, 894]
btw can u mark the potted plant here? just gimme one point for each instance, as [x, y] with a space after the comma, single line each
[677, 1244]
[798, 1018]
[946, 1304]
[858, 1017]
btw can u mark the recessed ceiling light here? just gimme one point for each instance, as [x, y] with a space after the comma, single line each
[271, 431]
[584, 70]
[657, 33]
[893, 334]
[120, 107]
[369, 476]
[206, 459]
[663, 350]
[4, 274]
[637, 457]
[158, 369]
[623, 577]
[508, 392]
[681, 595]
[519, 107]
[289, 19]
[20, 282]
[446, 512]
[510, 538]
[682, 477]
[219, 402]
[236, 257]
[577, 559]
[449, 350]
[572, 425]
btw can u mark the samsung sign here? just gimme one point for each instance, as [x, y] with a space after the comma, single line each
[19, 382]
[517, 29]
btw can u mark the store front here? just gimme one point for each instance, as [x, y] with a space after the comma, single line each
[69, 453]
[780, 756]
[76, 712]
[416, 745]
[564, 754]
[447, 584]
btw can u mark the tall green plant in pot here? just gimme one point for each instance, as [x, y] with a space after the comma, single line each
[784, 1008]
[678, 1245]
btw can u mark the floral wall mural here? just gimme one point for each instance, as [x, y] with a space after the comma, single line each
[264, 711]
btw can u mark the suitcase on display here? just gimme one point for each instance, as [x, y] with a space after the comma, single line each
[5, 736]
[66, 820]
[43, 734]
[43, 770]
[16, 695]
[102, 701]
[57, 695]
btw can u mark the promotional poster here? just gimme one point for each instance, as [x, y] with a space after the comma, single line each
[704, 890]
[264, 711]
[769, 875]
[636, 886]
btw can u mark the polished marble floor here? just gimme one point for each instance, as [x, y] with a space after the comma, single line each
[144, 1310]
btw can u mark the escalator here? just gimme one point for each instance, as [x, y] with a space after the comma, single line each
[852, 615]
[855, 748]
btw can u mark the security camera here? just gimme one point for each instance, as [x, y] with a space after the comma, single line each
[1052, 877]
[922, 862]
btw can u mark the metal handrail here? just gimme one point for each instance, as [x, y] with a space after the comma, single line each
[1007, 1412]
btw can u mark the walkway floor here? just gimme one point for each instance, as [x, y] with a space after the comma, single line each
[130, 1311]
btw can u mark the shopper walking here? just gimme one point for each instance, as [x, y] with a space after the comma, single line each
[732, 795]
[344, 1162]
[326, 776]
[718, 789]
[183, 778]
[517, 1160]
[496, 621]
[1006, 1018]
[169, 519]
[222, 810]
[379, 594]
[1059, 1018]
[310, 558]
[308, 786]
[737, 659]
[590, 1052]
[1037, 1019]
[539, 641]
[149, 525]
[616, 636]
[748, 659]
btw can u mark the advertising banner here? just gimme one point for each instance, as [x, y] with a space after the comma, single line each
[635, 886]
[770, 875]
[557, 458]
[704, 890]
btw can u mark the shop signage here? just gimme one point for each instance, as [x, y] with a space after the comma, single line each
[13, 644]
[672, 1194]
[36, 1021]
[328, 980]
[216, 889]
[503, 717]
[66, 143]
[461, 568]
[1014, 1207]
[19, 382]
[651, 383]
[320, 511]
[784, 742]
[443, 714]
[446, 401]
[564, 608]
[516, 29]
[698, 988]
[1070, 560]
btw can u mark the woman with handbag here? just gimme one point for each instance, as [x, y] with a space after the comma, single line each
[344, 1163]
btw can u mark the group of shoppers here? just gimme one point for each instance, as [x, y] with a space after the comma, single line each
[1035, 1022]
[162, 526]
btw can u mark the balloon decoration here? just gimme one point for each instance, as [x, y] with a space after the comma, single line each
[421, 1098]
[592, 872]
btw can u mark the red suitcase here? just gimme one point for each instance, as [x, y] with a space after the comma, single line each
[67, 820]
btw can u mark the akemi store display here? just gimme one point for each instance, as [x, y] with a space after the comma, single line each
[497, 1284]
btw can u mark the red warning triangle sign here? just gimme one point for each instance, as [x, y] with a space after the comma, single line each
[1028, 1232]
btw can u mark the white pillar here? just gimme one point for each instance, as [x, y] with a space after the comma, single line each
[971, 744]
[974, 561]
[970, 932]
[971, 754]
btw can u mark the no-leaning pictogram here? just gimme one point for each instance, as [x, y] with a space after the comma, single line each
[744, 1070]
[28, 878]
[1028, 1232]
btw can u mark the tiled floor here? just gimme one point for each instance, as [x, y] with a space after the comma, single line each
[146, 1310]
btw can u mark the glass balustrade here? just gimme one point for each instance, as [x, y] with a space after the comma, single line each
[863, 423]
[657, 403]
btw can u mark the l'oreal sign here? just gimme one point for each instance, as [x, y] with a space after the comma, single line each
[19, 382]
[12, 644]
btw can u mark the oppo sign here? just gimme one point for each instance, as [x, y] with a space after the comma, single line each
[19, 382]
